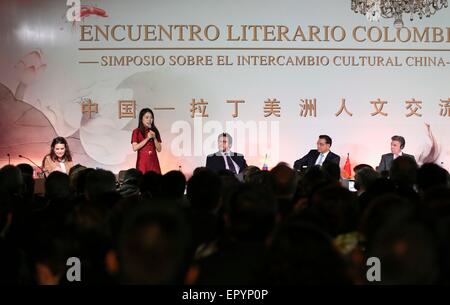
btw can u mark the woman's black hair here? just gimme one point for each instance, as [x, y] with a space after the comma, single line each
[152, 127]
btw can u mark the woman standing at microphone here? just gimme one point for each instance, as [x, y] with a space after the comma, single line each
[146, 140]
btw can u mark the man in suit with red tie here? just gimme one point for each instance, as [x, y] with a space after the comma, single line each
[224, 158]
[318, 156]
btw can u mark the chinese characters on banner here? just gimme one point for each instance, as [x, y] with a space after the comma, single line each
[308, 108]
[127, 109]
[272, 107]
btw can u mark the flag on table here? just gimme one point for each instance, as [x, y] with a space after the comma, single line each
[347, 168]
[265, 167]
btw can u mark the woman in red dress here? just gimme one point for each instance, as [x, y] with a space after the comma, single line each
[146, 140]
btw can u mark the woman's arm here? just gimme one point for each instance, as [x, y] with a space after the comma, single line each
[137, 146]
[47, 165]
[152, 134]
[158, 145]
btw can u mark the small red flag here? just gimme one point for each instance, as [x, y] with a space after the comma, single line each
[347, 168]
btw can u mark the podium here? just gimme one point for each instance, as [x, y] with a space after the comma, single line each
[39, 186]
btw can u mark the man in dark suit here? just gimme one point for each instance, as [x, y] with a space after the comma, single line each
[318, 156]
[224, 158]
[397, 144]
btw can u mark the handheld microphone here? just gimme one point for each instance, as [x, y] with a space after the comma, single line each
[150, 128]
[9, 158]
[42, 170]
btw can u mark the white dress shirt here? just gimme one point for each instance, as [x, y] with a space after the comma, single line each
[224, 154]
[323, 158]
[396, 156]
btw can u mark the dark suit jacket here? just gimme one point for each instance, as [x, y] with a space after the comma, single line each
[311, 157]
[386, 161]
[216, 162]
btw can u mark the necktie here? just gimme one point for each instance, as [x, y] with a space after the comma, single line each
[230, 164]
[319, 162]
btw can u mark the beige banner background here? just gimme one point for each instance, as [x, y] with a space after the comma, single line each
[48, 67]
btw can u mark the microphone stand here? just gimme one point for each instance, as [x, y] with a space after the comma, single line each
[42, 170]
